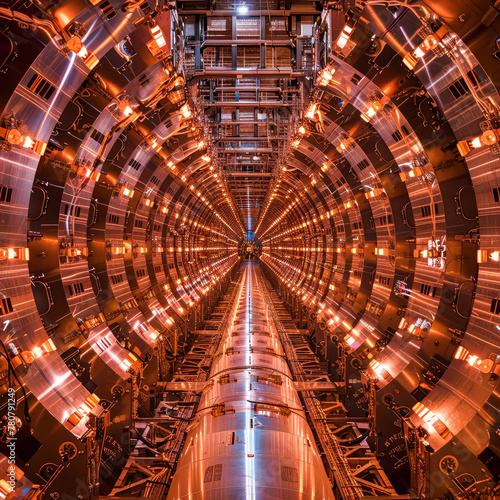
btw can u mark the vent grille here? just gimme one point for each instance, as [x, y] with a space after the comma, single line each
[213, 473]
[427, 289]
[116, 278]
[363, 164]
[385, 219]
[5, 194]
[397, 136]
[289, 474]
[107, 9]
[41, 87]
[134, 164]
[97, 136]
[426, 210]
[460, 88]
[495, 306]
[384, 280]
[76, 289]
[356, 79]
[5, 306]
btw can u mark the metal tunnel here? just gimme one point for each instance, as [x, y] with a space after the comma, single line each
[263, 447]
[250, 249]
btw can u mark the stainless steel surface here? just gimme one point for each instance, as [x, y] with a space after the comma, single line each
[248, 129]
[250, 438]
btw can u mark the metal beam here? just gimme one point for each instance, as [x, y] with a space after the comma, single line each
[244, 197]
[250, 174]
[218, 43]
[249, 151]
[316, 386]
[250, 138]
[182, 386]
[249, 89]
[213, 72]
[247, 104]
[249, 191]
[298, 11]
[244, 122]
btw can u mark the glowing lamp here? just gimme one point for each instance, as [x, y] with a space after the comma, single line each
[311, 111]
[158, 36]
[430, 42]
[46, 347]
[185, 111]
[489, 137]
[125, 108]
[345, 35]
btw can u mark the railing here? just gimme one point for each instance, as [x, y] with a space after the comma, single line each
[342, 473]
[155, 489]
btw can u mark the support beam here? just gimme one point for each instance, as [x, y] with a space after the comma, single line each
[224, 43]
[248, 104]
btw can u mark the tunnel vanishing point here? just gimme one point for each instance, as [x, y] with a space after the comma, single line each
[250, 250]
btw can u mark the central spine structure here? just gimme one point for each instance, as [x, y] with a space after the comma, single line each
[250, 438]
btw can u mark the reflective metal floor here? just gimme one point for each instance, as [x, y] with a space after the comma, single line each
[250, 438]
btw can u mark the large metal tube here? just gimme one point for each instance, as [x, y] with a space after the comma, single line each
[250, 438]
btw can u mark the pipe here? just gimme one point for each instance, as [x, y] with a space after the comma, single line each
[20, 17]
[246, 104]
[250, 174]
[242, 445]
[223, 43]
[213, 72]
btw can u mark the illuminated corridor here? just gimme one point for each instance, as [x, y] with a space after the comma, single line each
[250, 249]
[250, 439]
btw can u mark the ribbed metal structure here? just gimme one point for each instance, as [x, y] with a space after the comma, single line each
[250, 438]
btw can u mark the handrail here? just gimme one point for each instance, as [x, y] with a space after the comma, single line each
[344, 477]
[154, 489]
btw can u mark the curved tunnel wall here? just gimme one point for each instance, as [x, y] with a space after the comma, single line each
[377, 226]
[132, 251]
[400, 269]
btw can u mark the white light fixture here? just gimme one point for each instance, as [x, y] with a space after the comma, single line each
[242, 9]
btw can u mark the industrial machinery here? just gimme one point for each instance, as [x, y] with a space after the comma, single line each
[234, 234]
[250, 437]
